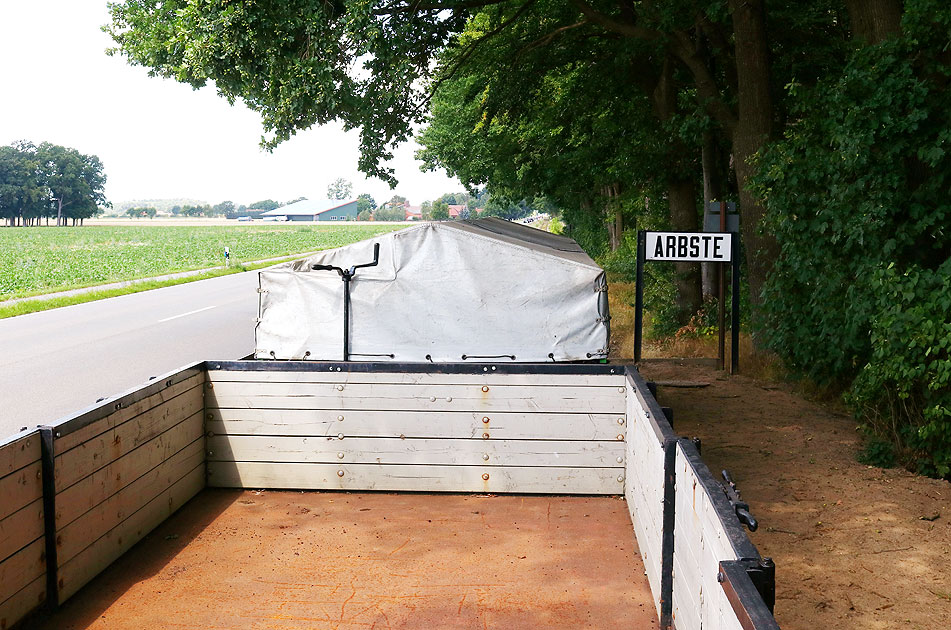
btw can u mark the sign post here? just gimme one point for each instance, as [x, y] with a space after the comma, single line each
[721, 247]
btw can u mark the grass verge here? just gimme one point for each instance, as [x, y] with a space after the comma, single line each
[34, 306]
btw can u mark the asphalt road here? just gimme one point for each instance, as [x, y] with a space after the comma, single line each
[56, 362]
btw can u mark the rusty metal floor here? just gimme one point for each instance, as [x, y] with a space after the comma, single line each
[296, 560]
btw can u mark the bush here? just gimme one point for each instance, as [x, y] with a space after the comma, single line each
[903, 393]
[857, 196]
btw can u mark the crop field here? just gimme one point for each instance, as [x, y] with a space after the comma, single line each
[43, 260]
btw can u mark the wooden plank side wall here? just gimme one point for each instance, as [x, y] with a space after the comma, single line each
[124, 474]
[532, 433]
[22, 544]
[700, 543]
[644, 490]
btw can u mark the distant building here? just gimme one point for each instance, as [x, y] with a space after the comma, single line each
[413, 213]
[316, 210]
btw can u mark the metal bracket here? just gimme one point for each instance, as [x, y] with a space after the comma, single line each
[741, 508]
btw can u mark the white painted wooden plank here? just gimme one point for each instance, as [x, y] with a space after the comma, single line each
[435, 424]
[22, 568]
[96, 557]
[23, 602]
[107, 447]
[332, 450]
[89, 527]
[416, 397]
[125, 414]
[92, 490]
[431, 378]
[19, 453]
[416, 478]
[20, 488]
[21, 528]
[685, 600]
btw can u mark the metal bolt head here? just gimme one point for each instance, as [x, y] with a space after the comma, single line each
[340, 455]
[620, 420]
[432, 399]
[485, 419]
[620, 390]
[485, 388]
[620, 437]
[485, 476]
[339, 388]
[620, 478]
[340, 418]
[340, 473]
[620, 459]
[485, 436]
[485, 457]
[340, 436]
[448, 398]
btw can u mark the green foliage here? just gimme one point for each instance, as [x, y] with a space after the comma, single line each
[45, 260]
[390, 211]
[264, 204]
[857, 195]
[340, 189]
[365, 203]
[49, 180]
[903, 393]
[138, 213]
[440, 211]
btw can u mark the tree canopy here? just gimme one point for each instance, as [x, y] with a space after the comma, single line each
[826, 120]
[48, 181]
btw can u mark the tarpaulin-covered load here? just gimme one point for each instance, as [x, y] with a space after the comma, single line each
[483, 290]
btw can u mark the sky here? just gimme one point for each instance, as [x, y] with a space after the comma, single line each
[159, 139]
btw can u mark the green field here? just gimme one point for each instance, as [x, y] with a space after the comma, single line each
[42, 260]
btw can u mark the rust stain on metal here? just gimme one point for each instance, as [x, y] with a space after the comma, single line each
[295, 561]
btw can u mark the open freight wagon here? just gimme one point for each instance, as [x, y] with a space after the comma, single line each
[77, 496]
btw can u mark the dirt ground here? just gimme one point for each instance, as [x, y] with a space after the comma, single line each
[855, 546]
[306, 560]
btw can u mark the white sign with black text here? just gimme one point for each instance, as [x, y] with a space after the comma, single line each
[688, 246]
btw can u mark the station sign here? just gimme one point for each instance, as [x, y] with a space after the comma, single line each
[689, 246]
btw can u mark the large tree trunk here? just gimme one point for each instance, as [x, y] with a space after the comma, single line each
[613, 213]
[753, 127]
[712, 190]
[874, 20]
[682, 195]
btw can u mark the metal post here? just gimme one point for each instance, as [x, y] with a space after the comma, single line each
[721, 311]
[639, 295]
[346, 316]
[735, 333]
[49, 516]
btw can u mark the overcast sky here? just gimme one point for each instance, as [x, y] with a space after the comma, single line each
[157, 138]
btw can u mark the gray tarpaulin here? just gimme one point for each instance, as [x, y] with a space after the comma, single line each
[483, 290]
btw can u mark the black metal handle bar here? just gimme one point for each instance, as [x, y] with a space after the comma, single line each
[346, 275]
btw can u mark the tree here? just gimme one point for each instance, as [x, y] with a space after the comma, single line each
[226, 208]
[440, 211]
[23, 192]
[141, 212]
[340, 189]
[266, 204]
[76, 181]
[365, 203]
